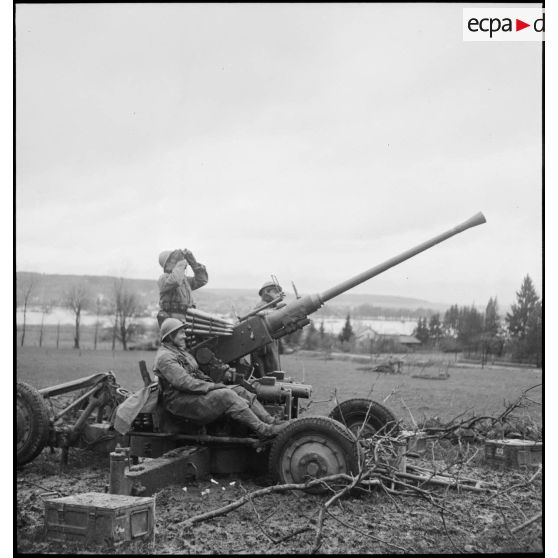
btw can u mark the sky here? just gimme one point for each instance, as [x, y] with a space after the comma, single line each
[307, 141]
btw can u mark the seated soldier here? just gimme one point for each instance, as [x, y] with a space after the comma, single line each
[175, 288]
[189, 393]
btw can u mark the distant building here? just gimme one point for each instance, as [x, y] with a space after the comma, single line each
[407, 340]
[367, 334]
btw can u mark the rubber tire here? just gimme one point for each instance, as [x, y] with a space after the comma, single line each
[313, 427]
[37, 430]
[353, 412]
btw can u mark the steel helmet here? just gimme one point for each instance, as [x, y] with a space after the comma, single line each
[170, 325]
[267, 285]
[163, 257]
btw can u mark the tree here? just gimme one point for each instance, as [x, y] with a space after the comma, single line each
[46, 308]
[469, 326]
[491, 318]
[451, 320]
[76, 299]
[127, 306]
[347, 332]
[534, 336]
[25, 289]
[97, 322]
[421, 331]
[435, 330]
[524, 323]
[311, 341]
[518, 318]
[492, 340]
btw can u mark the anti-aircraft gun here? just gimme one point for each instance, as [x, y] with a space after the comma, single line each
[257, 329]
[309, 447]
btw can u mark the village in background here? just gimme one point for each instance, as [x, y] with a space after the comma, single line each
[101, 312]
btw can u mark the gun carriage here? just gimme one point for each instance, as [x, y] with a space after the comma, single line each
[310, 447]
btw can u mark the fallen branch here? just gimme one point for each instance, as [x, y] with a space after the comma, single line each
[519, 485]
[442, 481]
[527, 523]
[262, 492]
[324, 508]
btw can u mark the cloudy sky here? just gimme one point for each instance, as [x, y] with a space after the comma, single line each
[308, 141]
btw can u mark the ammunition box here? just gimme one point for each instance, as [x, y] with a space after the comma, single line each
[513, 454]
[99, 518]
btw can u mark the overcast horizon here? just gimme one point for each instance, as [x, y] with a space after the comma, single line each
[308, 141]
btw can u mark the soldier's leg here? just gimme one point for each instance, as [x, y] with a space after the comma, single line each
[209, 407]
[238, 409]
[257, 408]
[272, 357]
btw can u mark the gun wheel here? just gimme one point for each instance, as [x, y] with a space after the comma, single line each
[313, 447]
[33, 423]
[354, 412]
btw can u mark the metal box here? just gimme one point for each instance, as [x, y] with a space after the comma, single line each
[99, 518]
[509, 453]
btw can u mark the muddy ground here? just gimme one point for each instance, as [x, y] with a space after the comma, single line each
[285, 523]
[373, 523]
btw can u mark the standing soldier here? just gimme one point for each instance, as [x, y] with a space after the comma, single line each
[175, 288]
[266, 358]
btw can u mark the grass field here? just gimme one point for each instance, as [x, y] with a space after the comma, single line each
[471, 390]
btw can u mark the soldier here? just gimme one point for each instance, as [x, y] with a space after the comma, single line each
[266, 358]
[189, 393]
[175, 288]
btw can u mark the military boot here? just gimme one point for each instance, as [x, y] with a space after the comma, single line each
[259, 410]
[262, 430]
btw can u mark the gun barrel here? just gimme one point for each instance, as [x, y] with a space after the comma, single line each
[258, 330]
[477, 219]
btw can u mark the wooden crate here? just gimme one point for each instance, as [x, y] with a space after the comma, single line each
[510, 453]
[99, 518]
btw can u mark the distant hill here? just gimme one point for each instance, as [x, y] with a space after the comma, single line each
[51, 287]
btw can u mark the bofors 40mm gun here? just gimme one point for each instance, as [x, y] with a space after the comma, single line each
[281, 394]
[258, 329]
[309, 447]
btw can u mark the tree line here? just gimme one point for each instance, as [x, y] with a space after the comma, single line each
[123, 306]
[460, 329]
[466, 329]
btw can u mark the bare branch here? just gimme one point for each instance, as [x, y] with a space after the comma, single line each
[536, 517]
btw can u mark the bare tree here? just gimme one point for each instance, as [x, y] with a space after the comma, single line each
[127, 306]
[97, 322]
[46, 308]
[25, 289]
[77, 300]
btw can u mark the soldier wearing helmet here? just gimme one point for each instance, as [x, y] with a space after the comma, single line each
[189, 393]
[266, 358]
[175, 288]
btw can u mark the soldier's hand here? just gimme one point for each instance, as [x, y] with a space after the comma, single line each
[217, 386]
[190, 258]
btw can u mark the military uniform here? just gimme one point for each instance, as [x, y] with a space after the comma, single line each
[185, 389]
[266, 358]
[175, 290]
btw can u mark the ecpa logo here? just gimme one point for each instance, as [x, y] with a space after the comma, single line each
[503, 24]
